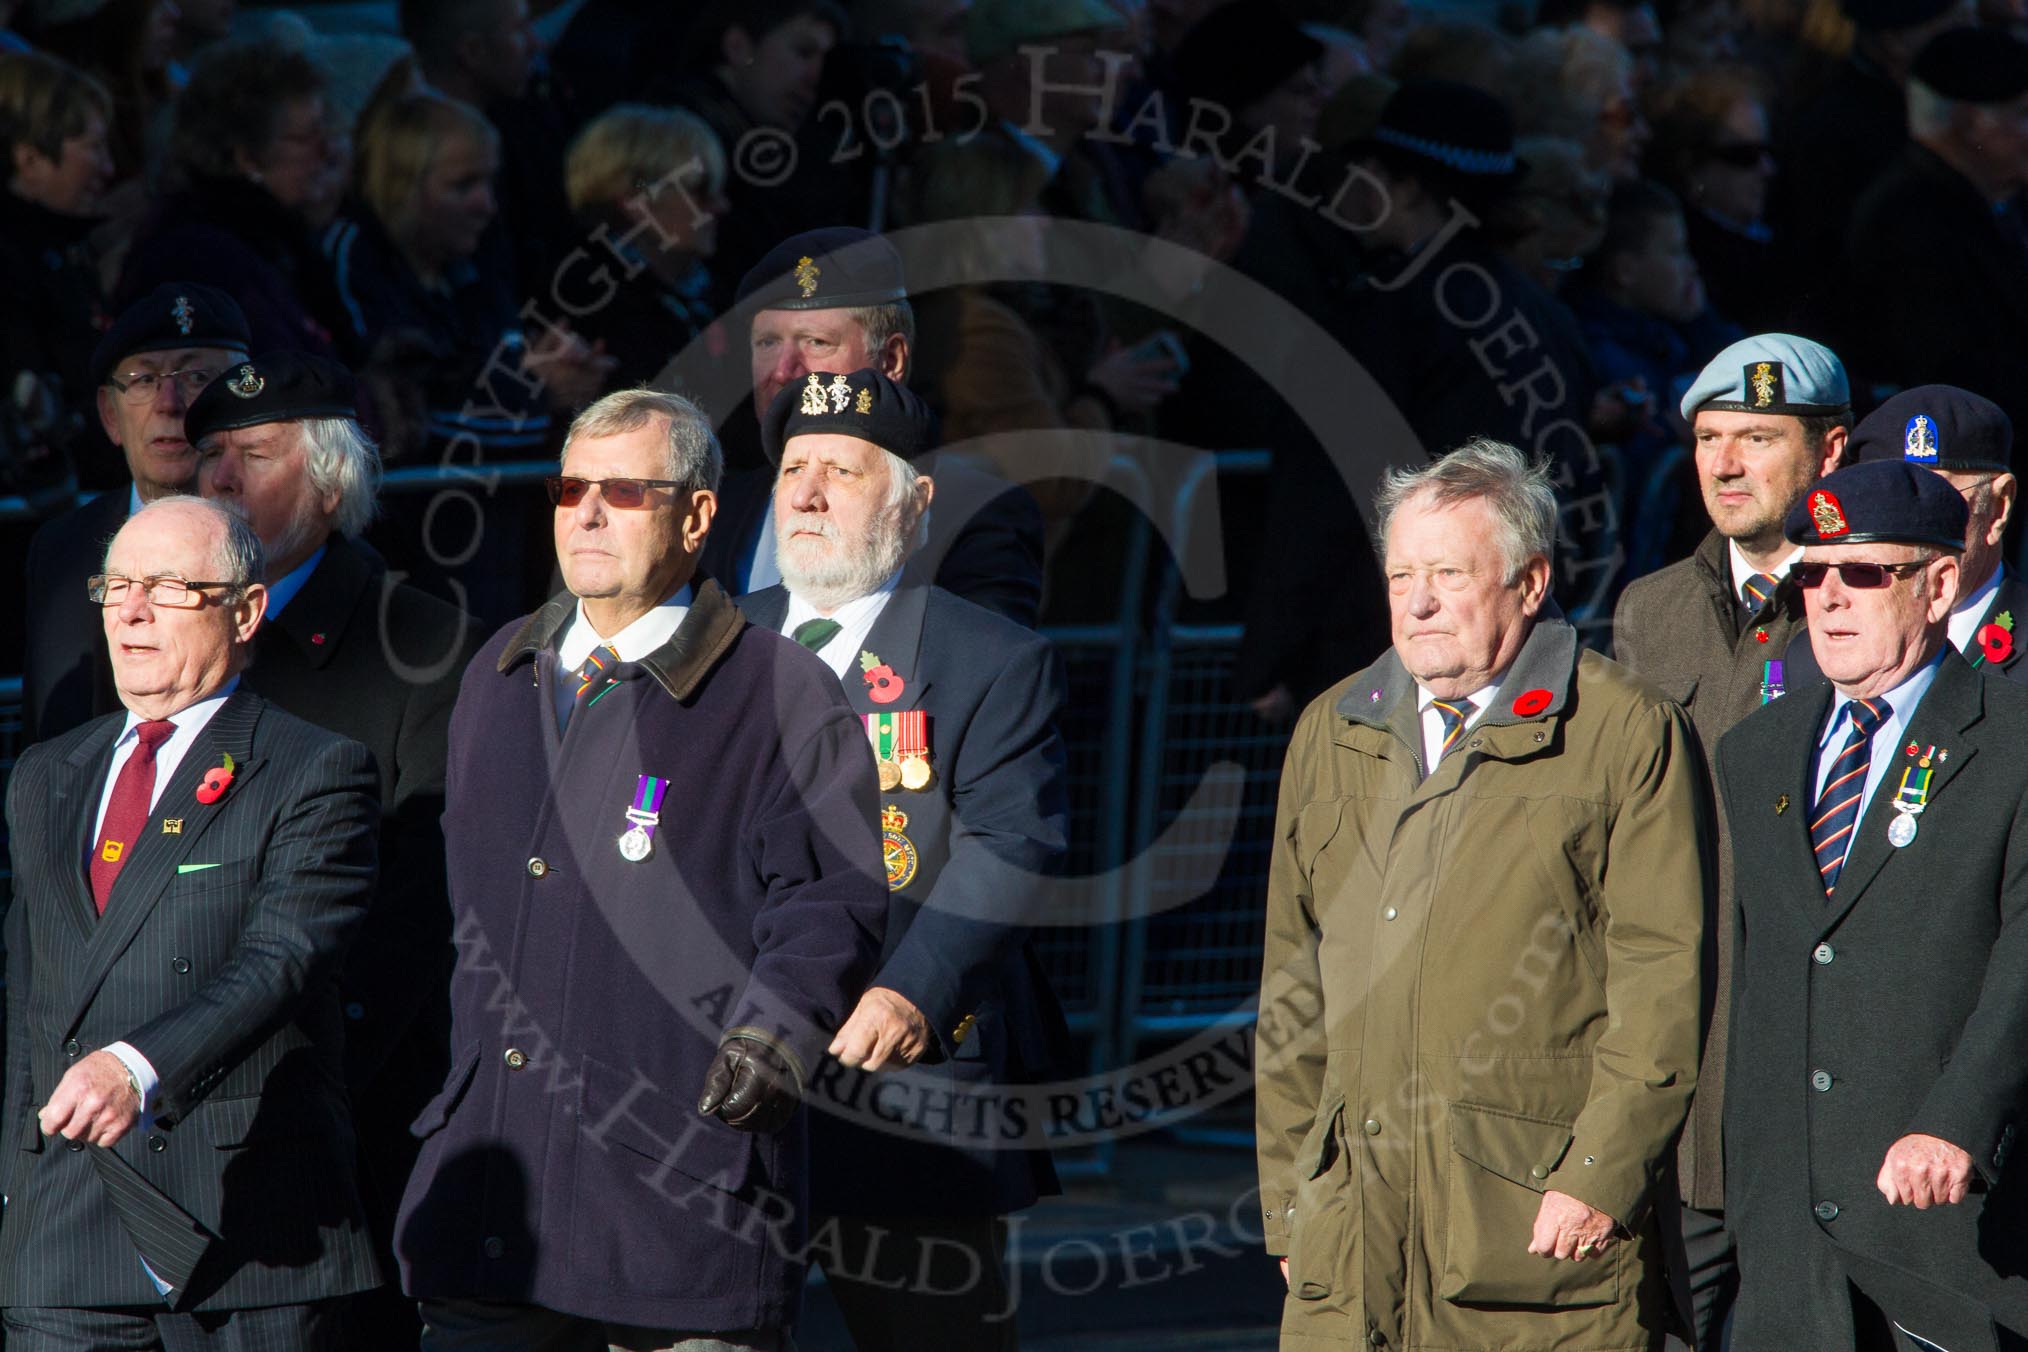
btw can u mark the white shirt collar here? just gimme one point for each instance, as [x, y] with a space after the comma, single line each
[1742, 570]
[632, 643]
[1903, 700]
[1966, 614]
[855, 621]
[1482, 700]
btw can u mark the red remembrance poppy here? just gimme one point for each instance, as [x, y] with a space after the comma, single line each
[216, 781]
[1996, 642]
[1532, 702]
[886, 687]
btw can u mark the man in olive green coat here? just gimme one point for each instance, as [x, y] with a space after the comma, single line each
[1479, 1009]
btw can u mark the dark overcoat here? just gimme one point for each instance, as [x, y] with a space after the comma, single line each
[565, 1164]
[1898, 1006]
[967, 877]
[66, 681]
[217, 959]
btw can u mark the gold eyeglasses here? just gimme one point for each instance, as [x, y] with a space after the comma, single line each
[110, 589]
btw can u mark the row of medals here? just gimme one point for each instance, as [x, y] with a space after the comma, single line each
[910, 772]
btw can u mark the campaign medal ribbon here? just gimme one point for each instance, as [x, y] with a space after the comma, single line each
[1909, 801]
[912, 749]
[1771, 687]
[638, 841]
[882, 734]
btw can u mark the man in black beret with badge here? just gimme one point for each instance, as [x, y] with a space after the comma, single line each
[155, 359]
[1875, 1085]
[1938, 246]
[833, 301]
[347, 648]
[959, 706]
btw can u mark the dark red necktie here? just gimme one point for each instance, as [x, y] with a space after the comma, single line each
[127, 812]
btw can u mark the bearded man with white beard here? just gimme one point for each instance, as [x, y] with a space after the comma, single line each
[960, 708]
[279, 443]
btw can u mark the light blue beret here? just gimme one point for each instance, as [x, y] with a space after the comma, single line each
[1771, 373]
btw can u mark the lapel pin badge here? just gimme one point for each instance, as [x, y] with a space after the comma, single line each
[1781, 805]
[172, 826]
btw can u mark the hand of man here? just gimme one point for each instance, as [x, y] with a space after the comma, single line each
[1285, 1272]
[1924, 1171]
[1567, 1228]
[885, 1027]
[750, 1087]
[94, 1102]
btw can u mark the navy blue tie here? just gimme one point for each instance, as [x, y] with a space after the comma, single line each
[1755, 591]
[1836, 815]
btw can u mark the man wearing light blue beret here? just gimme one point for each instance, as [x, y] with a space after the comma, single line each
[1770, 416]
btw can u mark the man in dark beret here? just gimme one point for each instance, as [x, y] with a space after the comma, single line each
[1968, 440]
[278, 440]
[1938, 245]
[1875, 1084]
[960, 707]
[833, 301]
[158, 355]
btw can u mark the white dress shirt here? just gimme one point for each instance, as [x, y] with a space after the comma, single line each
[1433, 723]
[1966, 614]
[1742, 570]
[632, 643]
[1903, 699]
[855, 621]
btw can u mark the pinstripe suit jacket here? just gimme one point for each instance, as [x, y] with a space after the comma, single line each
[216, 958]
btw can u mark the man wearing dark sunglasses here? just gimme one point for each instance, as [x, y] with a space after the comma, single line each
[659, 821]
[1768, 416]
[160, 352]
[1875, 1082]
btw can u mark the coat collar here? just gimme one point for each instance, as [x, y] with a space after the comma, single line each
[315, 620]
[679, 666]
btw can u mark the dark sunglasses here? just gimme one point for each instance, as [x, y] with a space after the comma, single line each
[1742, 154]
[1858, 576]
[624, 494]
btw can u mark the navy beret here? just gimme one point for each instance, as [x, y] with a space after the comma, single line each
[1973, 65]
[174, 316]
[1880, 502]
[865, 404]
[1771, 373]
[1938, 427]
[280, 387]
[837, 268]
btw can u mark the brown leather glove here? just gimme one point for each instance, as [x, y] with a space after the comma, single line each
[750, 1087]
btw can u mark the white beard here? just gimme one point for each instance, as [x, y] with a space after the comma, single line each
[846, 571]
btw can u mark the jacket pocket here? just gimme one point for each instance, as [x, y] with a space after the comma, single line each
[1500, 1164]
[438, 1110]
[1320, 1220]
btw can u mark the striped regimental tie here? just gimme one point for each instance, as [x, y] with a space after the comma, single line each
[1452, 715]
[592, 681]
[1836, 815]
[1755, 591]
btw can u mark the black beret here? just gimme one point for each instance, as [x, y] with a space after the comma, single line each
[280, 387]
[1938, 427]
[1881, 502]
[837, 268]
[865, 404]
[173, 316]
[1973, 65]
[1240, 52]
[1893, 14]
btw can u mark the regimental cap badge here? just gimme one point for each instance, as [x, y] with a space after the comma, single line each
[807, 274]
[1767, 383]
[864, 404]
[184, 315]
[893, 818]
[1828, 514]
[813, 396]
[246, 382]
[1919, 441]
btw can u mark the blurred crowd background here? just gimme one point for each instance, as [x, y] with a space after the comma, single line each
[412, 188]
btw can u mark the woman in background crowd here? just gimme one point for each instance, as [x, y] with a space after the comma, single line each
[1577, 83]
[1712, 147]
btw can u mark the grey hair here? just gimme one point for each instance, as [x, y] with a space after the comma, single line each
[1517, 489]
[337, 454]
[694, 459]
[901, 477]
[880, 323]
[239, 560]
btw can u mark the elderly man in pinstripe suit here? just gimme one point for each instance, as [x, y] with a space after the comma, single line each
[187, 875]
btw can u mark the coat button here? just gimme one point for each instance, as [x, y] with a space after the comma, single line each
[1827, 1211]
[1820, 1080]
[494, 1246]
[1371, 1127]
[73, 1146]
[180, 966]
[537, 868]
[516, 1058]
[1539, 1171]
[157, 1144]
[71, 1048]
[1823, 953]
[1389, 914]
[1377, 1338]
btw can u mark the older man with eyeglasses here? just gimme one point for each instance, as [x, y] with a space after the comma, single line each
[159, 354]
[661, 843]
[188, 873]
[1875, 1084]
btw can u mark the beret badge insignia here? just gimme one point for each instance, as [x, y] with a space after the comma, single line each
[807, 274]
[1764, 378]
[1918, 440]
[184, 315]
[1828, 514]
[246, 382]
[813, 396]
[864, 404]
